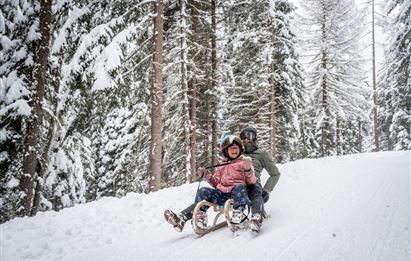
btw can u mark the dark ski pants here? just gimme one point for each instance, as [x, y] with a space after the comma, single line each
[255, 192]
[238, 194]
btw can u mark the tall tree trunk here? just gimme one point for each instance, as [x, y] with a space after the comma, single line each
[325, 126]
[260, 113]
[273, 85]
[374, 84]
[157, 100]
[43, 167]
[325, 130]
[359, 136]
[304, 139]
[214, 126]
[184, 87]
[272, 117]
[45, 159]
[206, 127]
[193, 89]
[206, 159]
[338, 133]
[32, 148]
[193, 120]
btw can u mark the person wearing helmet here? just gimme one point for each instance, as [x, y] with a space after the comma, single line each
[261, 160]
[229, 180]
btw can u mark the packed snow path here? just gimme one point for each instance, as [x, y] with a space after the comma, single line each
[354, 207]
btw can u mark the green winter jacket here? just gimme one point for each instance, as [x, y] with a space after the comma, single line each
[261, 160]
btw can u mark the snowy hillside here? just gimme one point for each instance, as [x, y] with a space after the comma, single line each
[353, 208]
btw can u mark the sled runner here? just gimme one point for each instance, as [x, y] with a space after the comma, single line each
[225, 210]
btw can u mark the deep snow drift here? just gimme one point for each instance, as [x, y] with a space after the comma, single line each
[354, 207]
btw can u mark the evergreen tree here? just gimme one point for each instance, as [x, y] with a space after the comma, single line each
[289, 93]
[266, 74]
[227, 64]
[120, 165]
[395, 88]
[106, 51]
[200, 76]
[20, 37]
[177, 121]
[94, 48]
[240, 79]
[335, 79]
[188, 95]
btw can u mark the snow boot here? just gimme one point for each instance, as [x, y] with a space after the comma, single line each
[201, 220]
[238, 216]
[176, 220]
[255, 222]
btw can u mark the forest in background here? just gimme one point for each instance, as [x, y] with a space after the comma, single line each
[101, 98]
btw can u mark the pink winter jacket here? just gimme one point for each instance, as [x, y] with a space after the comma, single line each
[226, 177]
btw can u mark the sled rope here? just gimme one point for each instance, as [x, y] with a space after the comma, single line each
[209, 167]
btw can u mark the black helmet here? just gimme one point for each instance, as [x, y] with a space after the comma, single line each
[249, 133]
[228, 141]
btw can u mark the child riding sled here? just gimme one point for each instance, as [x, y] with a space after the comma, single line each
[228, 181]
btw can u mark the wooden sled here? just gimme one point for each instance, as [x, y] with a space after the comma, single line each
[227, 210]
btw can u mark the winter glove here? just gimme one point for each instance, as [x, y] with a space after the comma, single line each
[247, 164]
[266, 196]
[200, 172]
[203, 173]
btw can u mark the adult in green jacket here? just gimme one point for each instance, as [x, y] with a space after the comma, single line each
[261, 160]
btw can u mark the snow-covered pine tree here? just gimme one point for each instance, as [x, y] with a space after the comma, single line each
[394, 92]
[26, 28]
[200, 78]
[193, 83]
[189, 98]
[335, 78]
[177, 128]
[263, 75]
[286, 83]
[120, 136]
[65, 182]
[18, 26]
[34, 147]
[214, 85]
[240, 80]
[76, 48]
[121, 162]
[99, 77]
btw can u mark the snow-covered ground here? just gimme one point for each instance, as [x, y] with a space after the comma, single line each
[354, 208]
